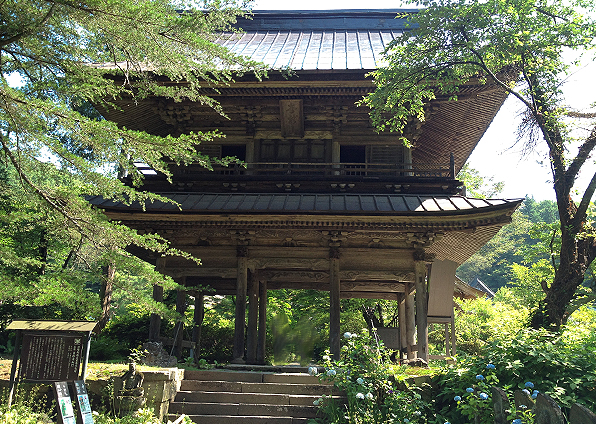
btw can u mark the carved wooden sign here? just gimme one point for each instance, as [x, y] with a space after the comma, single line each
[51, 356]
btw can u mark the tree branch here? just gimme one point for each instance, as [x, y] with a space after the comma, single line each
[31, 30]
[583, 154]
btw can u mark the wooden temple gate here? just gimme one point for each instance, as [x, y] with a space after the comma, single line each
[323, 202]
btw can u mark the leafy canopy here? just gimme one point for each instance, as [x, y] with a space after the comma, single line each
[59, 59]
[454, 42]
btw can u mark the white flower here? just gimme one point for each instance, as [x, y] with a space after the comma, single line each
[326, 358]
[316, 402]
[369, 396]
[313, 370]
[348, 335]
[359, 395]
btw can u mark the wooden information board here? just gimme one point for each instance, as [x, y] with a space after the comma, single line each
[51, 356]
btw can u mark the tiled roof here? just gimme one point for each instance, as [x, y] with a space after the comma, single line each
[312, 204]
[316, 40]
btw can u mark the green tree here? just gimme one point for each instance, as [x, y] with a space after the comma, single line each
[519, 46]
[57, 58]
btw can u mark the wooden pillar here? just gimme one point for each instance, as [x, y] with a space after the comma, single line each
[240, 315]
[421, 309]
[198, 317]
[179, 330]
[410, 323]
[155, 320]
[253, 318]
[262, 336]
[401, 319]
[334, 304]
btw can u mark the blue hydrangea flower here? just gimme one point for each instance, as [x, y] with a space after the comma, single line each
[483, 396]
[447, 422]
[313, 370]
[490, 366]
[457, 398]
[523, 407]
[406, 421]
[516, 421]
[331, 373]
[535, 394]
[359, 380]
[359, 395]
[529, 385]
[316, 402]
[479, 377]
[348, 335]
[470, 390]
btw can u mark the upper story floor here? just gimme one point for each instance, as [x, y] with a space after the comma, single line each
[303, 131]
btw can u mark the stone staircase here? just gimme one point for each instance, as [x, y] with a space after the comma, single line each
[248, 397]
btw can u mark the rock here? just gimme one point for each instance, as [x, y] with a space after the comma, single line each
[157, 356]
[416, 362]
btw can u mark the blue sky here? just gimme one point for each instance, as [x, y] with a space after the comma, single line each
[497, 154]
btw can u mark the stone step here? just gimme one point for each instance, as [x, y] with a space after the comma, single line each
[224, 375]
[257, 398]
[251, 377]
[237, 419]
[243, 387]
[243, 409]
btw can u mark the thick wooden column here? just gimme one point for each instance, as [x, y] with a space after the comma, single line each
[198, 317]
[401, 319]
[253, 318]
[181, 309]
[240, 315]
[262, 336]
[421, 309]
[410, 323]
[334, 304]
[155, 320]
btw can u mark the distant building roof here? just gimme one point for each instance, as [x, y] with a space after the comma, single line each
[465, 291]
[317, 40]
[478, 284]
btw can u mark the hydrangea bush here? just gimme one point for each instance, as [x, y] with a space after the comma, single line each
[371, 396]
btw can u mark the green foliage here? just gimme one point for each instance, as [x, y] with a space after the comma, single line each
[481, 321]
[364, 374]
[477, 185]
[521, 47]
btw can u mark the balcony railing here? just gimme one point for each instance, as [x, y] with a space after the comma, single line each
[337, 169]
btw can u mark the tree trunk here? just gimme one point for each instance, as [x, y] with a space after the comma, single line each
[105, 295]
[575, 257]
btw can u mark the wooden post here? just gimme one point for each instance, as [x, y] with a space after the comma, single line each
[240, 315]
[410, 323]
[262, 336]
[334, 304]
[155, 320]
[401, 319]
[421, 309]
[179, 331]
[253, 318]
[198, 323]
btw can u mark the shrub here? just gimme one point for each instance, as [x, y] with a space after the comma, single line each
[372, 396]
